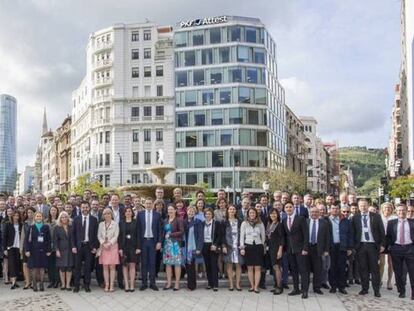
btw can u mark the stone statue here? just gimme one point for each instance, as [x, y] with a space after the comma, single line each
[160, 157]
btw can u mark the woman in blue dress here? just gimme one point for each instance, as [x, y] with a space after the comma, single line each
[173, 230]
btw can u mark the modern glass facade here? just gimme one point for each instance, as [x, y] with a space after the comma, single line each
[230, 110]
[8, 131]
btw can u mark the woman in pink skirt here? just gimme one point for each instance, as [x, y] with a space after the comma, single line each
[108, 232]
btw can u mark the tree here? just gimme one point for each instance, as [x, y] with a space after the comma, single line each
[283, 180]
[84, 183]
[402, 187]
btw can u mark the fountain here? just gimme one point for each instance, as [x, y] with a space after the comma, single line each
[160, 171]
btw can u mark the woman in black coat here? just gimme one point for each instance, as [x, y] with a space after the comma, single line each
[275, 239]
[11, 246]
[37, 246]
[128, 245]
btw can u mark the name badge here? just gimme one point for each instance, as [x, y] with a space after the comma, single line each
[128, 236]
[40, 239]
[254, 234]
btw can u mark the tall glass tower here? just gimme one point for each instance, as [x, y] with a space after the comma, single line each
[8, 131]
[230, 107]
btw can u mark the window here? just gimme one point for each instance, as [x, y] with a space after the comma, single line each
[147, 35]
[135, 136]
[251, 75]
[216, 117]
[234, 33]
[253, 158]
[198, 37]
[235, 116]
[135, 36]
[180, 39]
[225, 96]
[244, 95]
[147, 157]
[259, 56]
[182, 119]
[243, 54]
[189, 58]
[147, 71]
[160, 90]
[147, 90]
[208, 139]
[135, 72]
[199, 118]
[225, 137]
[107, 180]
[147, 135]
[208, 97]
[216, 75]
[159, 135]
[224, 54]
[134, 111]
[209, 178]
[245, 137]
[159, 111]
[145, 177]
[215, 35]
[191, 178]
[100, 160]
[261, 138]
[135, 158]
[235, 75]
[198, 77]
[217, 158]
[135, 91]
[181, 78]
[310, 162]
[191, 139]
[147, 111]
[253, 117]
[135, 54]
[260, 96]
[100, 137]
[159, 71]
[226, 179]
[107, 136]
[135, 179]
[251, 35]
[206, 56]
[147, 53]
[107, 159]
[199, 159]
[190, 98]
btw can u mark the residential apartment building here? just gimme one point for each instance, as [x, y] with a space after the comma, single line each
[296, 148]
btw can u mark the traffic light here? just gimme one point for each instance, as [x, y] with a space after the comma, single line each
[380, 191]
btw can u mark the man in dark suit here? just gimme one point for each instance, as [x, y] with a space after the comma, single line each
[242, 212]
[297, 207]
[369, 242]
[400, 241]
[341, 247]
[97, 213]
[149, 238]
[297, 240]
[319, 242]
[84, 245]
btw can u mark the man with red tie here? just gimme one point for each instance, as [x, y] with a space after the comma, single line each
[400, 239]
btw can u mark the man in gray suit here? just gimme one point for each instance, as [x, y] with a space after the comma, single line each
[41, 206]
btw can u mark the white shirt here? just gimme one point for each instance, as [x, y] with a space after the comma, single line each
[252, 234]
[407, 236]
[316, 221]
[385, 220]
[116, 214]
[16, 243]
[148, 225]
[87, 227]
[208, 227]
[371, 238]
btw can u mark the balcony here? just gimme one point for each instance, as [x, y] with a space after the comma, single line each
[102, 81]
[103, 46]
[102, 99]
[150, 119]
[102, 121]
[102, 64]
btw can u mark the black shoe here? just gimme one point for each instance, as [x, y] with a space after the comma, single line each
[325, 286]
[154, 287]
[35, 288]
[318, 291]
[76, 289]
[63, 288]
[208, 287]
[401, 295]
[26, 287]
[215, 289]
[358, 282]
[277, 291]
[294, 293]
[69, 289]
[351, 282]
[166, 288]
[121, 286]
[343, 291]
[143, 287]
[377, 294]
[262, 286]
[251, 290]
[285, 286]
[87, 289]
[175, 289]
[304, 295]
[13, 286]
[231, 289]
[51, 285]
[132, 290]
[363, 292]
[332, 290]
[56, 285]
[41, 287]
[257, 291]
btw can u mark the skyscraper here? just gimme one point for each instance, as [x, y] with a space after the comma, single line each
[8, 131]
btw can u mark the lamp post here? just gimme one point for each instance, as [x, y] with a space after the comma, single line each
[120, 168]
[228, 193]
[234, 175]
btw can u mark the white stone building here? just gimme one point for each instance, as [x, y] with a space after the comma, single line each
[123, 110]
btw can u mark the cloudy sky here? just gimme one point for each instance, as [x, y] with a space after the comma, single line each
[338, 60]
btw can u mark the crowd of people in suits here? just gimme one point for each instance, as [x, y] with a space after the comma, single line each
[339, 243]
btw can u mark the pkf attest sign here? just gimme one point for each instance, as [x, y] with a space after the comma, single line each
[203, 21]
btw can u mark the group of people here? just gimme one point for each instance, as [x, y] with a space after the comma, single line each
[339, 243]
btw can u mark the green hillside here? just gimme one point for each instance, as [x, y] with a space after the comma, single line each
[368, 166]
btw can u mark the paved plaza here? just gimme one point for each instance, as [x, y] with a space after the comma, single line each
[200, 299]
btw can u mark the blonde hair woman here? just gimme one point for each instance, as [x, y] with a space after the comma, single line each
[387, 214]
[108, 232]
[64, 258]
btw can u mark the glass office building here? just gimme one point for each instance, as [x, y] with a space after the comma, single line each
[8, 131]
[230, 107]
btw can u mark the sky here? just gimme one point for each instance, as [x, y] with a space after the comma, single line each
[338, 60]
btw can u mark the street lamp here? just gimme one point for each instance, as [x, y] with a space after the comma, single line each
[120, 168]
[234, 174]
[228, 193]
